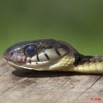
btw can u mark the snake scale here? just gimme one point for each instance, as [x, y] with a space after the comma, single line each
[51, 55]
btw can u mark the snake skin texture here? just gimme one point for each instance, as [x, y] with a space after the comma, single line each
[51, 55]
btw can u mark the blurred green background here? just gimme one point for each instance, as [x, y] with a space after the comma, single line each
[78, 22]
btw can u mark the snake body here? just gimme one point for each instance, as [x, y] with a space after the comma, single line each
[51, 55]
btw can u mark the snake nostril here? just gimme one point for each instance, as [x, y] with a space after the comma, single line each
[11, 53]
[7, 55]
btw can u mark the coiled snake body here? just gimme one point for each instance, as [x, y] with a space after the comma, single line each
[51, 55]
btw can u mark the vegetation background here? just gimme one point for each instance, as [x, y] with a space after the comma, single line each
[78, 22]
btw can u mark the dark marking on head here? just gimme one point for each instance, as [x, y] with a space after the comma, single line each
[25, 58]
[29, 61]
[37, 58]
[47, 56]
[58, 53]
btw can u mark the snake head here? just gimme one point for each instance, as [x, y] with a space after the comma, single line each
[47, 54]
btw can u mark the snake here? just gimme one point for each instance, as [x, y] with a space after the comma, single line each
[51, 55]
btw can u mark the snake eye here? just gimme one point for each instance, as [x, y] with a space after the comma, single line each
[30, 50]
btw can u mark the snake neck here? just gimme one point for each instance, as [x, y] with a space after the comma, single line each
[88, 64]
[81, 59]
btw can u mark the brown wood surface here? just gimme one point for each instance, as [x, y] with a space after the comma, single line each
[48, 87]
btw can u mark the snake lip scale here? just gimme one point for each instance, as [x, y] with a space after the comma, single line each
[51, 55]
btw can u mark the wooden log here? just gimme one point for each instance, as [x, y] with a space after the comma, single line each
[48, 87]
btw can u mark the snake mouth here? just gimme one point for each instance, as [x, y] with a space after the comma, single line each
[39, 67]
[52, 65]
[16, 66]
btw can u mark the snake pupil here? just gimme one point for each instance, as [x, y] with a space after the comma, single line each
[30, 50]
